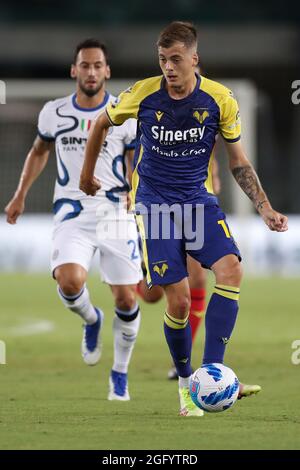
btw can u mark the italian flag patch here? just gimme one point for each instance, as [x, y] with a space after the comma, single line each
[85, 124]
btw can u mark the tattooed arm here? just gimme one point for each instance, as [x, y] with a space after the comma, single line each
[247, 179]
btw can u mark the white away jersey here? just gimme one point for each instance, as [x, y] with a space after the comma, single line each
[64, 122]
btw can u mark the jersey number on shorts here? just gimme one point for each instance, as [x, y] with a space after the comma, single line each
[225, 228]
[134, 254]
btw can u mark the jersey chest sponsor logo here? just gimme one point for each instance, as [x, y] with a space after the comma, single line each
[170, 137]
[73, 140]
[75, 144]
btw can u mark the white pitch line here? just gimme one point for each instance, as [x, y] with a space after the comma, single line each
[34, 328]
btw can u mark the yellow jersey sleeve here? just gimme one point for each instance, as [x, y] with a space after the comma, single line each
[230, 122]
[127, 105]
[124, 107]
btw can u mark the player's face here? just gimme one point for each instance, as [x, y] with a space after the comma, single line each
[178, 64]
[90, 70]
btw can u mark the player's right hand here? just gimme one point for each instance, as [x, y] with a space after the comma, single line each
[14, 208]
[89, 186]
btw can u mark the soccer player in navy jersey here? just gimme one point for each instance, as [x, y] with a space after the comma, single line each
[179, 116]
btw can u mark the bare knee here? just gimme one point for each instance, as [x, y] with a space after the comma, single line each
[184, 305]
[229, 273]
[179, 305]
[72, 285]
[178, 299]
[70, 281]
[125, 299]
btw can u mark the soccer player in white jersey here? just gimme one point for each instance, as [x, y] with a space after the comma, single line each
[78, 230]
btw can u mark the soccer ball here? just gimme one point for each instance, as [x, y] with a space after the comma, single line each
[214, 387]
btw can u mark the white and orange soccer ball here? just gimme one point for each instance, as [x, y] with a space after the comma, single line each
[214, 387]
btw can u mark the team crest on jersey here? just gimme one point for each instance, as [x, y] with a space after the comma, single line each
[201, 114]
[159, 115]
[161, 270]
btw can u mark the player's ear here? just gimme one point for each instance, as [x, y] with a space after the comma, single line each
[195, 59]
[73, 71]
[108, 72]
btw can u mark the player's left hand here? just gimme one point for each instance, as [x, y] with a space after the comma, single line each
[274, 220]
[89, 185]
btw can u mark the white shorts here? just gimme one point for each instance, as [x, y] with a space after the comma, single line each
[76, 239]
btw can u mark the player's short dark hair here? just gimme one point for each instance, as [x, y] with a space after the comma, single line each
[90, 43]
[180, 31]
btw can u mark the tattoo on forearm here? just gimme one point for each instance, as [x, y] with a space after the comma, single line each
[260, 204]
[249, 182]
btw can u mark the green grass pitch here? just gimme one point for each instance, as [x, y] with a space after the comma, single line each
[49, 399]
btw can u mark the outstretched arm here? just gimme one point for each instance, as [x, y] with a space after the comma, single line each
[89, 184]
[129, 157]
[247, 179]
[34, 164]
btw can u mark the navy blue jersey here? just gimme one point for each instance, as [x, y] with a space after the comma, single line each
[176, 138]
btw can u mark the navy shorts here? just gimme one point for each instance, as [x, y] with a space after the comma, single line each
[165, 250]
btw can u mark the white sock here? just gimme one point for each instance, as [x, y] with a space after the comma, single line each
[80, 304]
[125, 333]
[184, 382]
